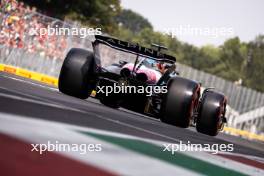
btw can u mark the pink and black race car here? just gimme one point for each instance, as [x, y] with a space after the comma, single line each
[155, 88]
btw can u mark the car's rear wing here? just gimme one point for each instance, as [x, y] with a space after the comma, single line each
[134, 48]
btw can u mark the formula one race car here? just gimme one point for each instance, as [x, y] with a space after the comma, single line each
[144, 80]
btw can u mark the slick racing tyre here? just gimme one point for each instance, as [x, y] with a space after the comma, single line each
[77, 74]
[211, 113]
[180, 102]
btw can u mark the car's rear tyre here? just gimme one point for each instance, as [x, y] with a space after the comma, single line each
[180, 102]
[211, 112]
[77, 73]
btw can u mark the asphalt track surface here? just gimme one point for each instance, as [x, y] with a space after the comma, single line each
[31, 99]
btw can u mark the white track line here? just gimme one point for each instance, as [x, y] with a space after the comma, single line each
[58, 131]
[112, 158]
[30, 82]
